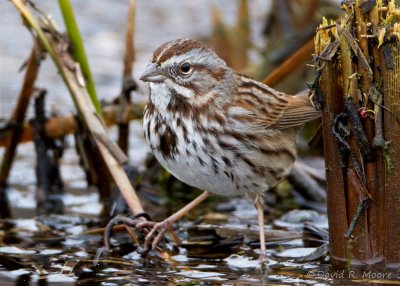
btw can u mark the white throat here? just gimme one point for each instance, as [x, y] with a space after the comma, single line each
[159, 97]
[160, 94]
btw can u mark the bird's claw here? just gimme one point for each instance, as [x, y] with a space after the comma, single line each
[153, 237]
[156, 233]
[127, 221]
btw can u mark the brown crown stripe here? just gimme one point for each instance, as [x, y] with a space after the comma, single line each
[176, 48]
[158, 51]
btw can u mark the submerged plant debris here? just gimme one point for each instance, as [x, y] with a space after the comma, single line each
[56, 249]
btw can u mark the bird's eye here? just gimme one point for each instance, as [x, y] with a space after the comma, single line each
[186, 68]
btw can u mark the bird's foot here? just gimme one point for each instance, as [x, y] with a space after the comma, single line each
[154, 231]
[125, 221]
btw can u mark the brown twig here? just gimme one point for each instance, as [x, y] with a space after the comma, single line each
[363, 203]
[298, 59]
[60, 126]
[18, 118]
[73, 77]
[128, 83]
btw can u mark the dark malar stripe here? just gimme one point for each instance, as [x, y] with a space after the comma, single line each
[178, 104]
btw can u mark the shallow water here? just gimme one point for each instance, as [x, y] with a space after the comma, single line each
[62, 254]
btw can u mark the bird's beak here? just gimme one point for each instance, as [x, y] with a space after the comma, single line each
[153, 73]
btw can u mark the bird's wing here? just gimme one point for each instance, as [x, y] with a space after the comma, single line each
[298, 111]
[259, 106]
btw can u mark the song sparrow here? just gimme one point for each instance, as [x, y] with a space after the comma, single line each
[216, 129]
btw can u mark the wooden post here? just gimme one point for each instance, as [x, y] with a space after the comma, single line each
[358, 63]
[391, 170]
[333, 105]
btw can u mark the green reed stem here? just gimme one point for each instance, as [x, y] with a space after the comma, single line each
[78, 49]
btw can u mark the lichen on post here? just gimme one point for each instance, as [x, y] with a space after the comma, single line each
[357, 88]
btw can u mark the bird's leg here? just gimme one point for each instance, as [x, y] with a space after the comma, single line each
[162, 227]
[259, 204]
